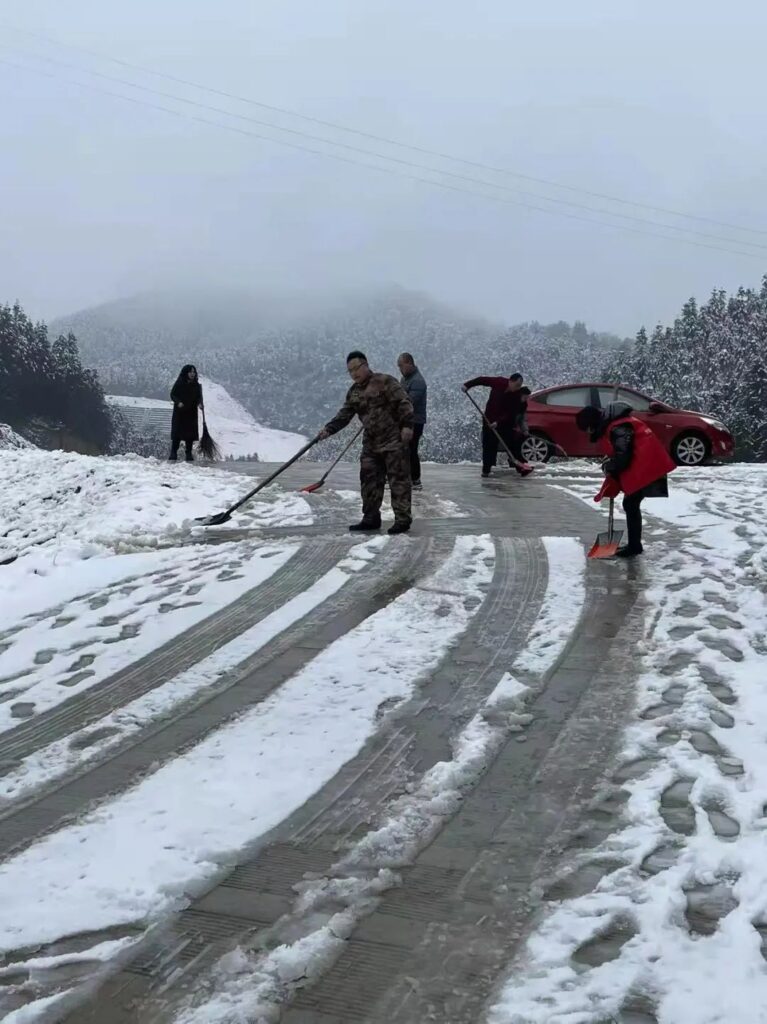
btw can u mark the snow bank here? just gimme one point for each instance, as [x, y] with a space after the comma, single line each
[59, 508]
[9, 439]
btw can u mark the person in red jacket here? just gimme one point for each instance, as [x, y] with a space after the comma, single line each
[635, 463]
[503, 410]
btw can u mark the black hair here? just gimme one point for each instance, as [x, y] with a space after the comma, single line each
[588, 418]
[183, 374]
[525, 391]
[356, 354]
[407, 357]
[516, 376]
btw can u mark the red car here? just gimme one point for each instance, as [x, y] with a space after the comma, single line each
[690, 437]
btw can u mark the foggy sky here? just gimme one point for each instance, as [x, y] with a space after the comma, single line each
[652, 101]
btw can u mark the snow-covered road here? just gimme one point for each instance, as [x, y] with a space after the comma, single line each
[661, 918]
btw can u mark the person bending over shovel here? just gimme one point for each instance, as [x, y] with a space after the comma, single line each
[504, 405]
[636, 463]
[386, 414]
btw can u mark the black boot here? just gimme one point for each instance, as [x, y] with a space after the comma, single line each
[629, 552]
[399, 526]
[366, 525]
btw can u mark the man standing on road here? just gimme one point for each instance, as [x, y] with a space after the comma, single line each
[415, 388]
[502, 411]
[387, 416]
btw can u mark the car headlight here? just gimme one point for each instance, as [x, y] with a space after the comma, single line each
[716, 424]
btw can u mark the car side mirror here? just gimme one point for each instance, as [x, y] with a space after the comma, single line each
[655, 408]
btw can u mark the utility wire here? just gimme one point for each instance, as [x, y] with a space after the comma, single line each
[377, 167]
[336, 126]
[383, 156]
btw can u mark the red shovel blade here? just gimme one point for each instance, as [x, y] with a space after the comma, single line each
[605, 546]
[311, 488]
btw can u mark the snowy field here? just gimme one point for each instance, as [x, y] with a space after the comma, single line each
[103, 566]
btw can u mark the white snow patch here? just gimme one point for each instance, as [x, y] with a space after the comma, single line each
[61, 757]
[60, 508]
[562, 606]
[143, 854]
[93, 629]
[9, 439]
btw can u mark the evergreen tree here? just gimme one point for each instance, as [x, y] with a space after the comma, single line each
[46, 385]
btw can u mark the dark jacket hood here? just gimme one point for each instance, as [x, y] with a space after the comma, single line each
[614, 411]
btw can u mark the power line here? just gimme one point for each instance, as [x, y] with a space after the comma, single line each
[336, 126]
[376, 167]
[411, 164]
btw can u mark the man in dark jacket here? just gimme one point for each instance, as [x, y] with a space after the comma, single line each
[414, 387]
[503, 408]
[387, 416]
[636, 463]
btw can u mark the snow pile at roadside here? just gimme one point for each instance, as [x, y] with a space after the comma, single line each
[59, 508]
[10, 440]
[234, 429]
[675, 930]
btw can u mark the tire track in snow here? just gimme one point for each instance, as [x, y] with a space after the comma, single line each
[253, 681]
[184, 822]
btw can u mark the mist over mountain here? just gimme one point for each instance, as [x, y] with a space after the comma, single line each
[283, 356]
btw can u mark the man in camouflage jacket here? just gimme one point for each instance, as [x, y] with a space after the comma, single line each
[387, 416]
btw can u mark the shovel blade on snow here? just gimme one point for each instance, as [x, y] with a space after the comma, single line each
[216, 520]
[311, 488]
[606, 544]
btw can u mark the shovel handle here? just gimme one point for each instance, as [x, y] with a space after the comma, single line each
[338, 458]
[491, 427]
[273, 476]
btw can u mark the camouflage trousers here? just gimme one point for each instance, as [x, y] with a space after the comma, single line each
[375, 469]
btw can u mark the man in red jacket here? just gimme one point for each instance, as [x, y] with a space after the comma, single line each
[636, 463]
[504, 407]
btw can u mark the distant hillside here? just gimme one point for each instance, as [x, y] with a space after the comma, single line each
[283, 357]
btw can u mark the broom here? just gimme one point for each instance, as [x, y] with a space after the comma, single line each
[207, 447]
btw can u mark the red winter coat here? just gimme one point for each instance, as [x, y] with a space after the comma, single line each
[649, 461]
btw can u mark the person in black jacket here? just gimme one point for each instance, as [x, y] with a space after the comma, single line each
[415, 388]
[186, 395]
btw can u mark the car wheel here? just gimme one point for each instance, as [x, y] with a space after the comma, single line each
[689, 450]
[536, 449]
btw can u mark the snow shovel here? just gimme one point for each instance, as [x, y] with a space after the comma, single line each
[515, 461]
[224, 517]
[607, 543]
[311, 488]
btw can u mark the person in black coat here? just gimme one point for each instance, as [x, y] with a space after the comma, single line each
[186, 395]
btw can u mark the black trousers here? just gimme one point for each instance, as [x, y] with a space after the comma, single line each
[632, 506]
[415, 460]
[174, 446]
[512, 439]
